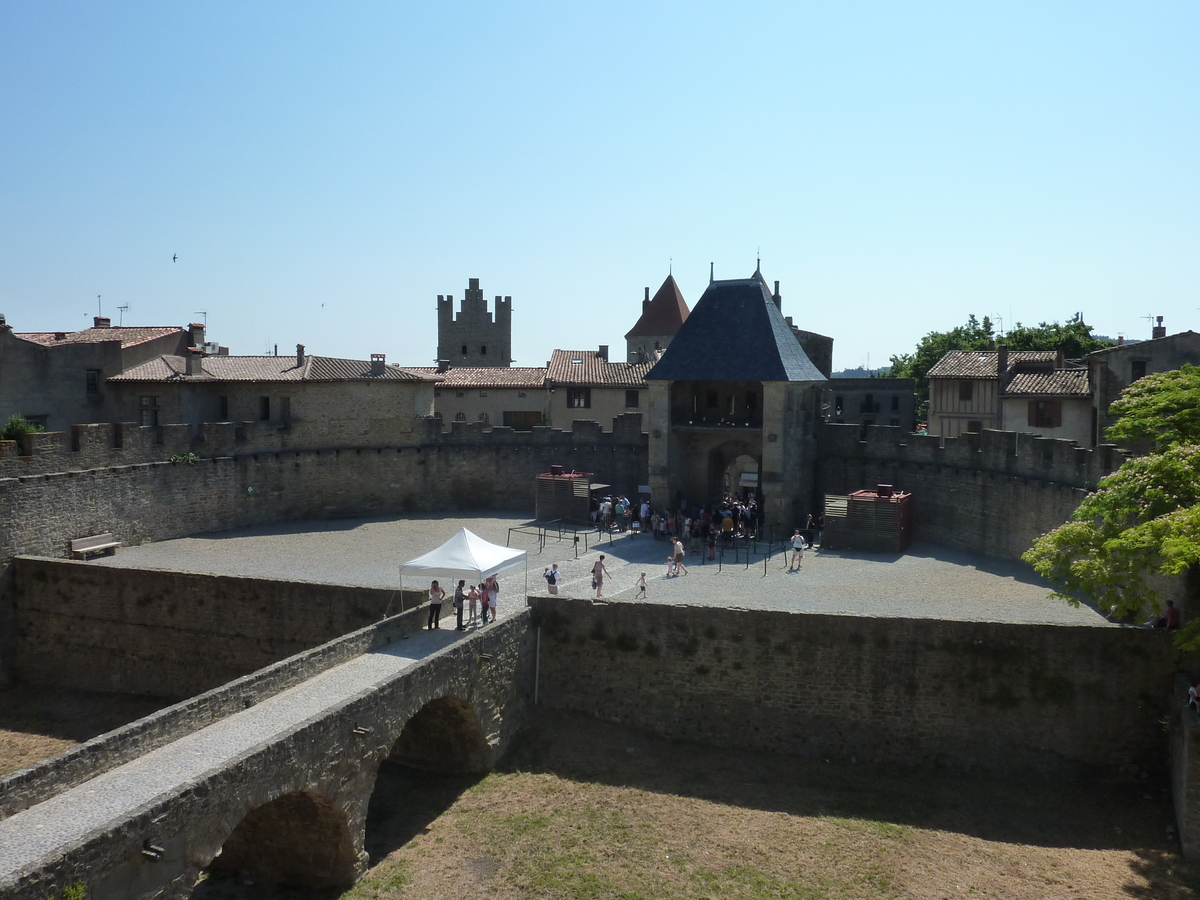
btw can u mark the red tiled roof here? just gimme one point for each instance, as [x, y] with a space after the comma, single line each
[487, 376]
[589, 367]
[127, 336]
[665, 313]
[981, 364]
[1058, 383]
[268, 368]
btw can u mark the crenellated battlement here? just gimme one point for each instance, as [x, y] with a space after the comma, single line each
[125, 443]
[1006, 453]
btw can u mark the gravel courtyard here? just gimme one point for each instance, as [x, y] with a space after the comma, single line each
[926, 582]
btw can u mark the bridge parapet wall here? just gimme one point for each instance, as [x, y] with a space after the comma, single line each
[39, 782]
[334, 757]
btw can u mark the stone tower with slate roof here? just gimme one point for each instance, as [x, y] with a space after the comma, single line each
[473, 337]
[733, 407]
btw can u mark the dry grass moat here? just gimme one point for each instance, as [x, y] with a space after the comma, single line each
[583, 809]
[38, 722]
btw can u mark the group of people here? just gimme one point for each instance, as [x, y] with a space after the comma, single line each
[478, 600]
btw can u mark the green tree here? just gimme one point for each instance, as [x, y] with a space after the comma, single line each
[1075, 338]
[17, 426]
[975, 335]
[1143, 519]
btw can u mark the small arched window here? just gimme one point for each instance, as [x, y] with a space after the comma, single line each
[464, 349]
[483, 417]
[483, 350]
[460, 417]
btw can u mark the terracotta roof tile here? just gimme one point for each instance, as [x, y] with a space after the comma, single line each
[981, 364]
[268, 368]
[666, 311]
[590, 368]
[1058, 383]
[488, 376]
[128, 337]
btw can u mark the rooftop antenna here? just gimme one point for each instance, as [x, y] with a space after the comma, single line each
[99, 308]
[202, 312]
[121, 310]
[671, 265]
[710, 273]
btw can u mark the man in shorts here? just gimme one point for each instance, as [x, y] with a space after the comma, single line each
[598, 573]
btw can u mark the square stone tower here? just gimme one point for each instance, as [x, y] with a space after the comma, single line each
[473, 338]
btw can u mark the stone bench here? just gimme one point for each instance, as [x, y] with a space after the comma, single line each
[82, 548]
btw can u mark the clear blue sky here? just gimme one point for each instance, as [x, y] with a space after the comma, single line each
[325, 170]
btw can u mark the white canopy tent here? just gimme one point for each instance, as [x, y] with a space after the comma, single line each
[467, 556]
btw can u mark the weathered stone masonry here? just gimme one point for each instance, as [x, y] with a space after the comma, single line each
[992, 493]
[898, 691]
[325, 764]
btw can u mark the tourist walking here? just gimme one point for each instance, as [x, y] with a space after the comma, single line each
[598, 572]
[641, 586]
[555, 578]
[460, 600]
[436, 596]
[679, 566]
[797, 551]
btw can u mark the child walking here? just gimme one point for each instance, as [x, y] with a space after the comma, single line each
[641, 587]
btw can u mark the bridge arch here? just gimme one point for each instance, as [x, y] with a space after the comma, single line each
[300, 839]
[444, 736]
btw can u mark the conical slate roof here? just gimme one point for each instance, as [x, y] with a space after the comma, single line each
[665, 313]
[735, 333]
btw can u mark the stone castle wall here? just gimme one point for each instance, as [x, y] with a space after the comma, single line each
[173, 634]
[991, 493]
[886, 690]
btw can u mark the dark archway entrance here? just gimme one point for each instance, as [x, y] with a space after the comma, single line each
[299, 839]
[727, 464]
[441, 752]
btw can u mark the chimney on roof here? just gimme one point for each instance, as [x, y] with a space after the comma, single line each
[101, 322]
[646, 301]
[604, 352]
[1060, 358]
[195, 360]
[1002, 363]
[378, 363]
[444, 364]
[299, 354]
[778, 298]
[1159, 330]
[197, 332]
[1120, 340]
[4, 326]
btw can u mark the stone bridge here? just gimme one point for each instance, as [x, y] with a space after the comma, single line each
[269, 775]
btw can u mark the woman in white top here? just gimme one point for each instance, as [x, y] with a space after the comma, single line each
[436, 596]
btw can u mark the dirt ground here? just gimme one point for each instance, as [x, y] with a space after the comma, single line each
[583, 809]
[37, 722]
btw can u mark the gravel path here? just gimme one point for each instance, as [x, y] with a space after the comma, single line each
[64, 821]
[926, 582]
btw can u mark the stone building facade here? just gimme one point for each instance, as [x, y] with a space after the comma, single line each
[59, 379]
[583, 385]
[1115, 368]
[474, 337]
[513, 396]
[277, 391]
[870, 401]
[735, 394]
